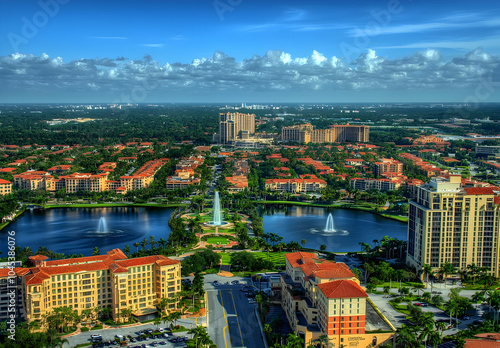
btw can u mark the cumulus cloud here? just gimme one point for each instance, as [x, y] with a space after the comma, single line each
[274, 71]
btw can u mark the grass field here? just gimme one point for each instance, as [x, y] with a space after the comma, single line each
[217, 240]
[278, 258]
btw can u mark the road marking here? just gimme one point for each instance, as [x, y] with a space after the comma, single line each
[227, 324]
[237, 321]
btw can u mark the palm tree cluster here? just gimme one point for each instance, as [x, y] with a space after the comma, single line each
[201, 337]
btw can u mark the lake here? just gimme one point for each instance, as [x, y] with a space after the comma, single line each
[77, 230]
[295, 223]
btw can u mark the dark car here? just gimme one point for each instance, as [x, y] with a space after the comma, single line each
[234, 282]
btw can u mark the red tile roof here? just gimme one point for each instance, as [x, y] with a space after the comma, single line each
[481, 190]
[342, 289]
[478, 343]
[312, 266]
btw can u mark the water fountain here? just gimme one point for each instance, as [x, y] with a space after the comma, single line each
[216, 219]
[329, 224]
[102, 227]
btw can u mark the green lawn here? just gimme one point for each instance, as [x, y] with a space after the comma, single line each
[278, 258]
[217, 240]
[395, 285]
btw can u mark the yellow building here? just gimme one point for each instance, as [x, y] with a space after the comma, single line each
[305, 133]
[5, 187]
[110, 280]
[231, 124]
[450, 222]
[322, 297]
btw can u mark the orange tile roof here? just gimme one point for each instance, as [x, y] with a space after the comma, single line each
[2, 181]
[481, 190]
[478, 343]
[312, 266]
[342, 289]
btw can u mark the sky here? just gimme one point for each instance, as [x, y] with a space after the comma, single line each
[234, 51]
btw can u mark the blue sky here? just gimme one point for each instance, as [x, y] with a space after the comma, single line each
[249, 50]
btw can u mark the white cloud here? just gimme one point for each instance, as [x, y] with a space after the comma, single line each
[276, 70]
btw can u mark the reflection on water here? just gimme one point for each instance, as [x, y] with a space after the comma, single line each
[352, 227]
[75, 231]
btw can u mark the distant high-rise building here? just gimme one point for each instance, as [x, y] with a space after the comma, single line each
[305, 133]
[231, 124]
[453, 221]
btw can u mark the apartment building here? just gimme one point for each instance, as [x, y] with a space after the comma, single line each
[454, 221]
[110, 280]
[322, 297]
[142, 178]
[11, 290]
[5, 187]
[305, 133]
[33, 180]
[85, 182]
[182, 179]
[295, 185]
[387, 165]
[365, 184]
[231, 124]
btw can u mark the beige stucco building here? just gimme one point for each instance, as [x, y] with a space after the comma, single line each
[452, 221]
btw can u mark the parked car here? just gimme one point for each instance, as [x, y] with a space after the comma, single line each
[234, 282]
[423, 304]
[216, 283]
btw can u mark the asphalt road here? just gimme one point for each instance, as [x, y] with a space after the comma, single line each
[232, 321]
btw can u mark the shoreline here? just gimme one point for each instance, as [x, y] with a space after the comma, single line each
[399, 218]
[403, 219]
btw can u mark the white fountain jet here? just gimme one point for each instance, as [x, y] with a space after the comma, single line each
[103, 226]
[217, 219]
[329, 224]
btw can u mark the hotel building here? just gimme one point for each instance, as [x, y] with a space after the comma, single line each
[110, 280]
[305, 133]
[322, 297]
[231, 124]
[455, 221]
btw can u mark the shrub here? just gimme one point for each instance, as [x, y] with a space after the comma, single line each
[84, 329]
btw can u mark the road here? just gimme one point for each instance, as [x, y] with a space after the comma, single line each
[232, 321]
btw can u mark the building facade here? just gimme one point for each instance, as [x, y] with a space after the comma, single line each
[5, 187]
[452, 221]
[322, 297]
[110, 280]
[231, 124]
[295, 185]
[305, 133]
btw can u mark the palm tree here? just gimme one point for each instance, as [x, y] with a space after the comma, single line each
[427, 271]
[126, 249]
[303, 242]
[152, 241]
[136, 244]
[479, 296]
[324, 341]
[95, 251]
[446, 269]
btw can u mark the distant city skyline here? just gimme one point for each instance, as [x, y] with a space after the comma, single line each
[233, 51]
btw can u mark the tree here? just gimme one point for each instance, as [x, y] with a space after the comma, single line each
[95, 251]
[427, 271]
[446, 269]
[303, 242]
[322, 247]
[125, 313]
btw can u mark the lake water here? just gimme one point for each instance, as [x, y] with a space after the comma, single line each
[75, 230]
[296, 223]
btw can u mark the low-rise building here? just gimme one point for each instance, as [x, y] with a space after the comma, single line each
[295, 185]
[181, 179]
[5, 187]
[110, 280]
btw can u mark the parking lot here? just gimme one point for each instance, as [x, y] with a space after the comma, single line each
[134, 332]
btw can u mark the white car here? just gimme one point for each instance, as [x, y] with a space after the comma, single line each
[161, 329]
